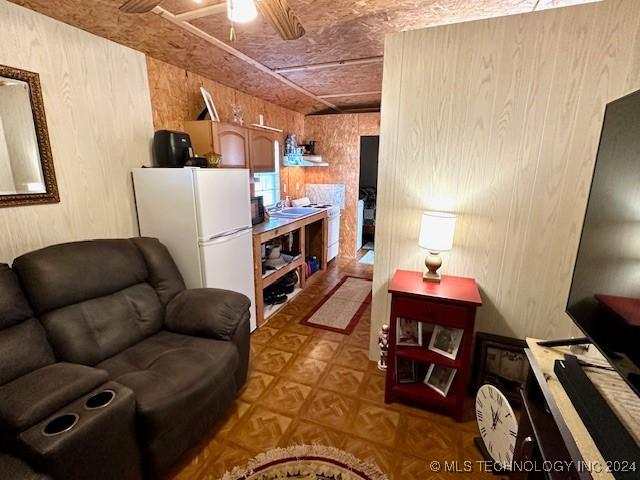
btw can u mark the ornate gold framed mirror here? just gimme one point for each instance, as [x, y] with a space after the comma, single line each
[27, 176]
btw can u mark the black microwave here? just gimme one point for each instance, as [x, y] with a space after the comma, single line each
[257, 210]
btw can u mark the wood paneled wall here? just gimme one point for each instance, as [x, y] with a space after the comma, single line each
[96, 98]
[338, 138]
[175, 98]
[499, 121]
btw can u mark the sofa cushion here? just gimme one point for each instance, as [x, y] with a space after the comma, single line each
[164, 275]
[91, 331]
[172, 375]
[13, 304]
[23, 343]
[23, 348]
[69, 273]
[33, 397]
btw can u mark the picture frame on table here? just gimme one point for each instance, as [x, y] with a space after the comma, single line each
[501, 362]
[408, 332]
[440, 378]
[406, 370]
[446, 341]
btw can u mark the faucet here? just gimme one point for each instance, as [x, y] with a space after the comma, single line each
[277, 207]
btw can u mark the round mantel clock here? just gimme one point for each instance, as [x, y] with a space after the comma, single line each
[498, 425]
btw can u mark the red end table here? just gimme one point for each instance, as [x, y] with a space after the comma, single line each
[452, 303]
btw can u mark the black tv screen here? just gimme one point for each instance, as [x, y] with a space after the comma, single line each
[604, 300]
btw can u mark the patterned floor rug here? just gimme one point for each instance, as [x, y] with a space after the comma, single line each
[340, 310]
[306, 462]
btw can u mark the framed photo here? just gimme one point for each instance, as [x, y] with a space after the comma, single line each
[501, 362]
[405, 370]
[408, 332]
[440, 378]
[211, 107]
[446, 341]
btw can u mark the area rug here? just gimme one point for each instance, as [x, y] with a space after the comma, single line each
[340, 310]
[368, 258]
[308, 462]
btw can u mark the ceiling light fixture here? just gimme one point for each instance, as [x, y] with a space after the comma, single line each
[241, 11]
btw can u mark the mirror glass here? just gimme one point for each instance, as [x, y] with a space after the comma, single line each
[20, 162]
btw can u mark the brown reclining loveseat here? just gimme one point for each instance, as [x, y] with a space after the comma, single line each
[110, 366]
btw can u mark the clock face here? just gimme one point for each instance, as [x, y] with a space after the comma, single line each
[497, 423]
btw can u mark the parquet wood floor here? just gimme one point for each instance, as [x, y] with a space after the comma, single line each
[313, 386]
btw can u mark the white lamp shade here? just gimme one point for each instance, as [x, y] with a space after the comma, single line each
[241, 11]
[436, 231]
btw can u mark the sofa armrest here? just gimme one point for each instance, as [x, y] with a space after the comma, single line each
[207, 312]
[28, 399]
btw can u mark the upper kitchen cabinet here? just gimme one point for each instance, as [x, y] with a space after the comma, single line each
[262, 149]
[230, 141]
[233, 145]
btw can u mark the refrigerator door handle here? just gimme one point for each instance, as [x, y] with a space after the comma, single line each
[224, 236]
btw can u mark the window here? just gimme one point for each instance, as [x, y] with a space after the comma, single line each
[268, 184]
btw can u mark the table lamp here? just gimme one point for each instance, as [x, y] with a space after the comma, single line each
[436, 235]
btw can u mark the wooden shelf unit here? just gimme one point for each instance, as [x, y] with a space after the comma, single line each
[270, 310]
[424, 355]
[309, 232]
[452, 304]
[276, 275]
[415, 393]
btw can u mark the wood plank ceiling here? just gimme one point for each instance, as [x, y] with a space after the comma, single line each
[335, 67]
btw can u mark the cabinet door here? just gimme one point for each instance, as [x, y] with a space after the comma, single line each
[262, 151]
[201, 134]
[233, 144]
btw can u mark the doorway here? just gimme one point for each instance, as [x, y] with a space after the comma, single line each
[365, 237]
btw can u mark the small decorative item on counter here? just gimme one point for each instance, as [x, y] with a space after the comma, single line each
[383, 343]
[290, 144]
[213, 159]
[237, 114]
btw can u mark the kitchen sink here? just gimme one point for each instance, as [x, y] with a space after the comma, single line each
[294, 212]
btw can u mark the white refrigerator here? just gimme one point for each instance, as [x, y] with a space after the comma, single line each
[203, 216]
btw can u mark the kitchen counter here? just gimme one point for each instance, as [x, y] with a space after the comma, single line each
[276, 223]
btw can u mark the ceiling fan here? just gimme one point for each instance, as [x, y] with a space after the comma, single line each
[276, 12]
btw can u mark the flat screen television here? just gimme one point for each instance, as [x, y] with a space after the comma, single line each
[604, 300]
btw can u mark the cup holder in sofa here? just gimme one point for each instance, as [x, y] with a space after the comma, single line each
[100, 400]
[60, 424]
